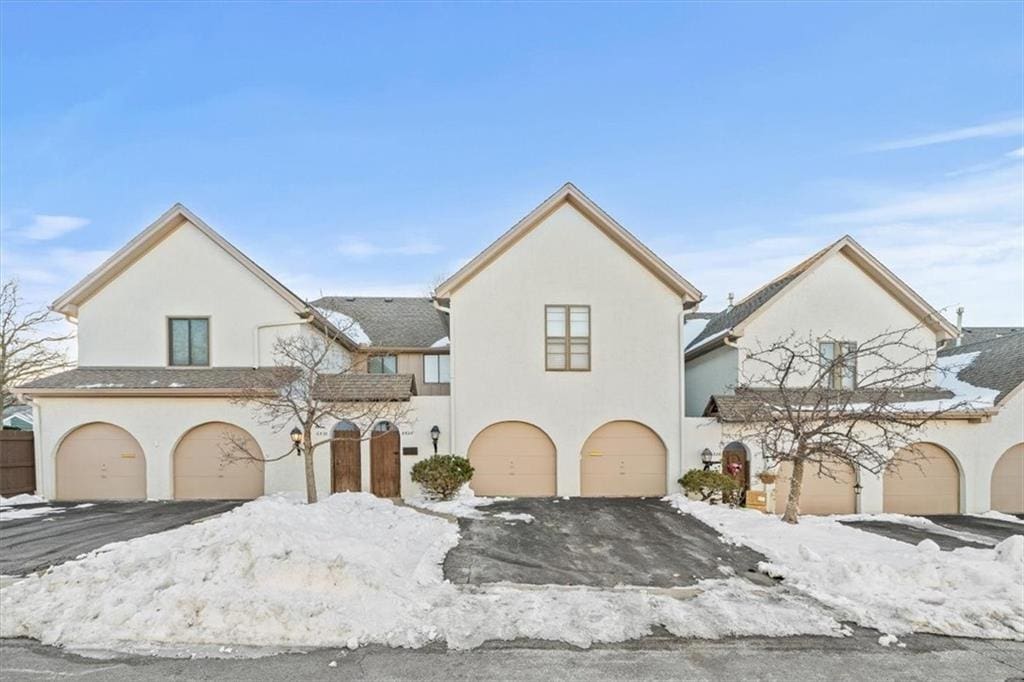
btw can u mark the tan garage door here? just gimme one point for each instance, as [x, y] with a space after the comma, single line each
[623, 459]
[201, 471]
[923, 481]
[513, 458]
[1008, 481]
[819, 494]
[100, 462]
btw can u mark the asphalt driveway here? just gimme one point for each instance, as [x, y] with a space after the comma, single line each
[32, 544]
[952, 531]
[600, 542]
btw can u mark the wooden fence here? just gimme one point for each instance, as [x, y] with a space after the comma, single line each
[17, 463]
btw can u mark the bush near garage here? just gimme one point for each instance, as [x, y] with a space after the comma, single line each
[710, 485]
[441, 476]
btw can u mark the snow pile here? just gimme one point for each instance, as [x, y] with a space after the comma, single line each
[1000, 516]
[509, 516]
[464, 505]
[882, 583]
[350, 570]
[21, 499]
[8, 514]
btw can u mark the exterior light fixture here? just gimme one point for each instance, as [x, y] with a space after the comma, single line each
[708, 458]
[296, 435]
[857, 488]
[435, 433]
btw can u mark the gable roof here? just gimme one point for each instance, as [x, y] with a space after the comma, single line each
[393, 322]
[999, 364]
[730, 322]
[570, 194]
[976, 334]
[173, 218]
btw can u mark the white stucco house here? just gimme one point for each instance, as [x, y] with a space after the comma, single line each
[565, 359]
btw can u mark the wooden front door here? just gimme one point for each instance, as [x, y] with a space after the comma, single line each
[346, 466]
[736, 465]
[385, 462]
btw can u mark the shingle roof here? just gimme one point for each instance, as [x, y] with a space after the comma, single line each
[738, 406]
[976, 334]
[392, 322]
[999, 365]
[730, 317]
[346, 387]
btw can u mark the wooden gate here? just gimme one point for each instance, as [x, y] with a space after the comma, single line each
[346, 467]
[17, 463]
[385, 461]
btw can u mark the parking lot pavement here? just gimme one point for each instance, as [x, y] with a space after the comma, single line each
[31, 544]
[602, 542]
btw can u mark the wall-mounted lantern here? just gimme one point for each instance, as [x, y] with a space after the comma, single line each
[297, 440]
[435, 433]
[708, 458]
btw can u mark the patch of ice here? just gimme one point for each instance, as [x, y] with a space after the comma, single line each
[879, 582]
[350, 570]
[509, 516]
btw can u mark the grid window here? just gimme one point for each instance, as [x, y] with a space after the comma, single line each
[567, 338]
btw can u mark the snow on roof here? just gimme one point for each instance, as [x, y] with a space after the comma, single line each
[443, 342]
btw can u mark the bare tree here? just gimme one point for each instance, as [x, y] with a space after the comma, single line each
[831, 404]
[30, 346]
[313, 385]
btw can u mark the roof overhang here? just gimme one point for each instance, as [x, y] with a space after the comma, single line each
[570, 194]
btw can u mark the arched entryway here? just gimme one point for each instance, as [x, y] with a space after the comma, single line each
[921, 479]
[623, 459]
[1008, 481]
[218, 461]
[346, 463]
[513, 458]
[385, 460]
[826, 489]
[100, 461]
[736, 463]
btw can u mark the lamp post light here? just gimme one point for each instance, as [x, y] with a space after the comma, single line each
[435, 433]
[296, 435]
[708, 458]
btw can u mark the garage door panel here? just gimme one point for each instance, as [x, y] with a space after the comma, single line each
[623, 459]
[514, 459]
[1008, 481]
[924, 480]
[819, 494]
[100, 462]
[202, 472]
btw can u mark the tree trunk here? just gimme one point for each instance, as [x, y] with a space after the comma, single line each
[307, 456]
[796, 481]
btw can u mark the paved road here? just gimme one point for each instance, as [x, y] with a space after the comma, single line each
[854, 658]
[28, 545]
[593, 541]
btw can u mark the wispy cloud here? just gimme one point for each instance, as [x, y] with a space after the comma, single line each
[359, 248]
[46, 227]
[1005, 128]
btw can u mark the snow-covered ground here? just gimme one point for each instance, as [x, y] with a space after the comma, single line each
[882, 583]
[20, 500]
[349, 570]
[10, 507]
[465, 504]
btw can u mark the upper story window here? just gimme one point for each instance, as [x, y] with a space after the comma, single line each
[436, 369]
[841, 359]
[567, 338]
[382, 364]
[189, 341]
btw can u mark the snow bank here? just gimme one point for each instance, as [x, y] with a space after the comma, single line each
[350, 570]
[21, 499]
[882, 583]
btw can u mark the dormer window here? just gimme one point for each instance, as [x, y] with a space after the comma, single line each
[189, 341]
[567, 338]
[839, 358]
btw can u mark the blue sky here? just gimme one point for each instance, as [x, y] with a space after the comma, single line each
[371, 148]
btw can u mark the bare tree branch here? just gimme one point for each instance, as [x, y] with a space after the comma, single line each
[29, 346]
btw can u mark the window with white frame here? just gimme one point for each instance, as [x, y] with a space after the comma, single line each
[840, 359]
[436, 369]
[567, 338]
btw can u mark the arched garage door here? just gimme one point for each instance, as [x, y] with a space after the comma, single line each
[513, 458]
[820, 493]
[100, 462]
[201, 472]
[922, 479]
[623, 459]
[1008, 481]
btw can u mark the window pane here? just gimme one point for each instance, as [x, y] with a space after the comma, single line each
[375, 365]
[579, 355]
[430, 369]
[199, 337]
[556, 355]
[579, 321]
[555, 321]
[849, 365]
[390, 364]
[179, 342]
[444, 369]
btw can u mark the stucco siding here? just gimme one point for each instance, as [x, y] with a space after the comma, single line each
[708, 374]
[498, 343]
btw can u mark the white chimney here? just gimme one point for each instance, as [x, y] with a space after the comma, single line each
[731, 297]
[959, 325]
